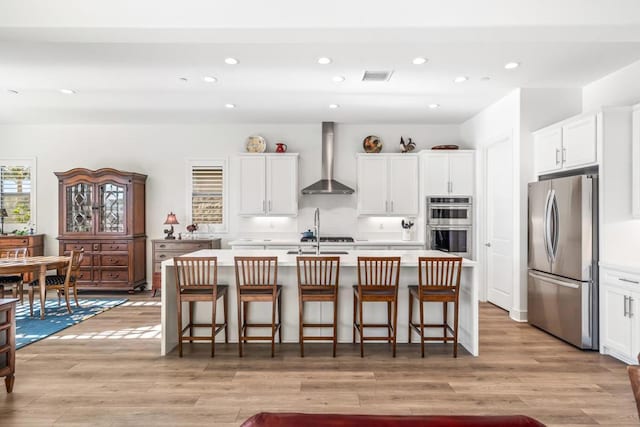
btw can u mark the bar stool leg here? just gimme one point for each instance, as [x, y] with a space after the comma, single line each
[389, 321]
[191, 318]
[361, 328]
[335, 325]
[455, 330]
[445, 316]
[240, 325]
[280, 317]
[421, 304]
[410, 314]
[179, 327]
[355, 312]
[300, 327]
[213, 324]
[273, 327]
[395, 325]
[224, 312]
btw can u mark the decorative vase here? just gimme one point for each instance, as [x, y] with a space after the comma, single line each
[406, 234]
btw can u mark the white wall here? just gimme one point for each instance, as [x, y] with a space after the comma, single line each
[620, 232]
[616, 89]
[160, 152]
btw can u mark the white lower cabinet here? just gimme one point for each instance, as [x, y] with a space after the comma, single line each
[619, 315]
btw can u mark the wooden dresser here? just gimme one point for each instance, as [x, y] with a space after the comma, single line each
[8, 341]
[167, 249]
[33, 242]
[103, 212]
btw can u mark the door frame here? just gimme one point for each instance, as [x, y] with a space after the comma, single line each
[482, 207]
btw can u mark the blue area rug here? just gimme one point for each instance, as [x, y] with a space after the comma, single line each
[31, 329]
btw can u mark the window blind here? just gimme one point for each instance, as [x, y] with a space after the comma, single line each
[15, 193]
[207, 194]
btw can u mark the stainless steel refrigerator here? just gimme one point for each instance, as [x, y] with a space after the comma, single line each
[563, 251]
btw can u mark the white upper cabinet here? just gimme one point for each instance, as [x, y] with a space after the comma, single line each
[388, 184]
[566, 145]
[635, 170]
[449, 173]
[548, 150]
[269, 184]
[579, 142]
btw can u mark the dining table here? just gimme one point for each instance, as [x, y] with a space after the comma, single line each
[38, 265]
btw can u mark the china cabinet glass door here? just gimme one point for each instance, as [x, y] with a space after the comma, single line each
[111, 208]
[79, 218]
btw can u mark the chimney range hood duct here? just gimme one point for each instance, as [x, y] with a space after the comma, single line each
[327, 185]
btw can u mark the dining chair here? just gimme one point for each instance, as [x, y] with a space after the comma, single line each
[318, 279]
[61, 283]
[378, 279]
[438, 281]
[256, 281]
[197, 281]
[14, 281]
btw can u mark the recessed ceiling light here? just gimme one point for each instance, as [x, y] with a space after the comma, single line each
[67, 91]
[338, 79]
[419, 60]
[461, 79]
[434, 106]
[12, 92]
[485, 78]
[324, 60]
[209, 79]
[231, 61]
[230, 105]
[334, 106]
[183, 79]
[511, 65]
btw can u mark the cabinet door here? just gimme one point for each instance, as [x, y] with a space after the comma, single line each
[282, 185]
[403, 185]
[461, 174]
[111, 208]
[253, 199]
[372, 185]
[579, 142]
[547, 150]
[635, 165]
[617, 324]
[78, 209]
[436, 174]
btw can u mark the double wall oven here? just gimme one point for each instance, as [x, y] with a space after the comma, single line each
[450, 224]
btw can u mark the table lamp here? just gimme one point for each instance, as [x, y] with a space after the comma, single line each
[3, 215]
[171, 220]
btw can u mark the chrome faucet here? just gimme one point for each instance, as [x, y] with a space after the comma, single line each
[316, 227]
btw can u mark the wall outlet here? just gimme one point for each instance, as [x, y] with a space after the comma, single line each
[381, 226]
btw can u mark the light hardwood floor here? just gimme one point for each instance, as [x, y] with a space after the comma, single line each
[107, 371]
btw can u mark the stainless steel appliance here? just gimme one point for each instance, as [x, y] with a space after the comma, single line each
[449, 225]
[563, 255]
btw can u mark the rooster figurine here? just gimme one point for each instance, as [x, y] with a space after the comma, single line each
[407, 147]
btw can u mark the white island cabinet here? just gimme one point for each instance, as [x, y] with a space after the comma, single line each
[468, 320]
[269, 184]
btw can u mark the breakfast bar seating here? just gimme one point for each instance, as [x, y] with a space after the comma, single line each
[378, 279]
[438, 281]
[14, 281]
[197, 281]
[257, 281]
[318, 280]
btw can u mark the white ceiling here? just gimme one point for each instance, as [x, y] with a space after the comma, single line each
[127, 67]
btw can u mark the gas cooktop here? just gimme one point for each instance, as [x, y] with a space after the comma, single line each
[329, 239]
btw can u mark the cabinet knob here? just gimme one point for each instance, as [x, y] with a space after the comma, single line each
[162, 256]
[163, 246]
[488, 244]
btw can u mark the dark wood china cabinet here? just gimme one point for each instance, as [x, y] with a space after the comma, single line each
[103, 212]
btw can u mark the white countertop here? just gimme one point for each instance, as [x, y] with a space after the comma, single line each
[292, 242]
[408, 258]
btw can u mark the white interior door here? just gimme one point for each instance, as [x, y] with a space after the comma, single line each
[499, 223]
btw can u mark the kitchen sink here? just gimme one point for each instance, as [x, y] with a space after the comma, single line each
[321, 253]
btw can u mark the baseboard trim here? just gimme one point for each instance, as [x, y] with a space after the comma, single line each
[518, 315]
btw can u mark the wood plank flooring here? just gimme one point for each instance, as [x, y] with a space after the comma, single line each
[107, 371]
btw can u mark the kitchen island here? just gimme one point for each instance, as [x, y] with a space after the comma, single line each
[468, 317]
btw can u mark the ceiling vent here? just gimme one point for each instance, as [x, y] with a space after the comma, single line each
[376, 76]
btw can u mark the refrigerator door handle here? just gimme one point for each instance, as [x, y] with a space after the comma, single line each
[555, 229]
[547, 232]
[554, 281]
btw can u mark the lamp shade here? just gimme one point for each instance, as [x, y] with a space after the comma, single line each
[3, 213]
[171, 219]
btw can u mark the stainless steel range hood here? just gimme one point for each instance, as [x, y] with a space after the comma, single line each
[327, 185]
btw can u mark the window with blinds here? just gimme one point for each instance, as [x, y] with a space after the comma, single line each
[16, 186]
[207, 193]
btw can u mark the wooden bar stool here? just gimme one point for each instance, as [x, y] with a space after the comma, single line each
[318, 282]
[256, 281]
[197, 281]
[378, 279]
[438, 281]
